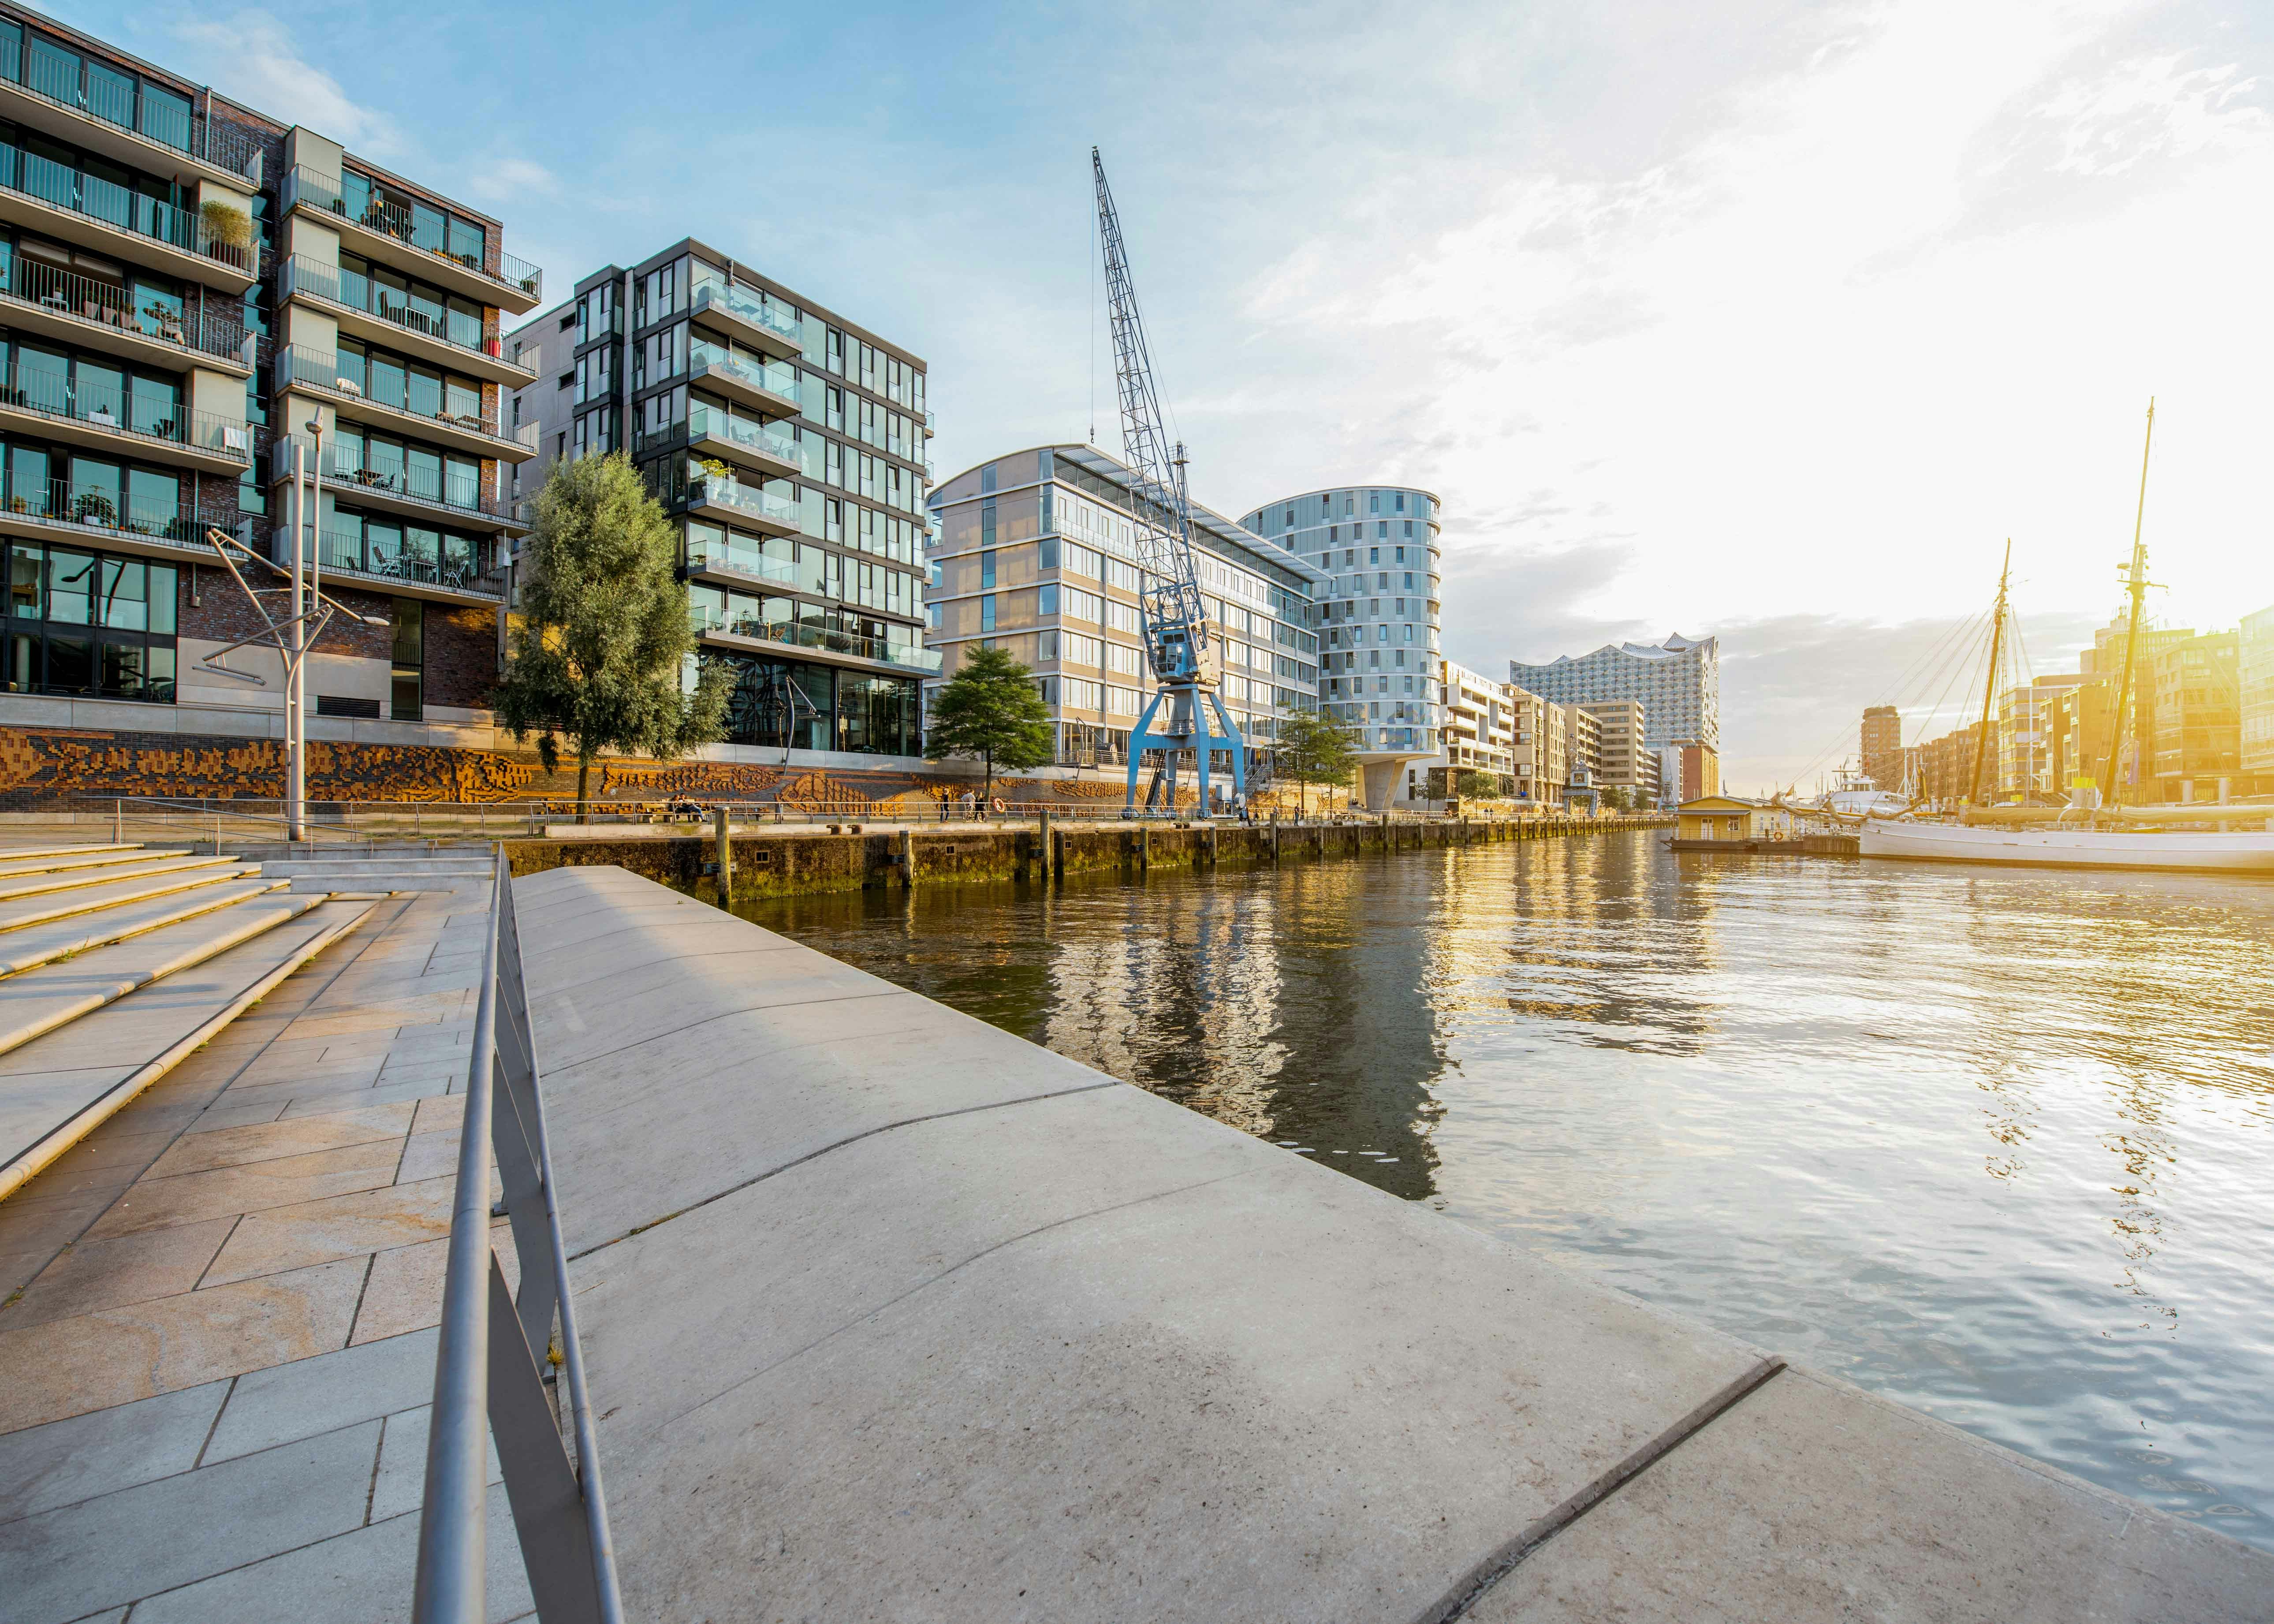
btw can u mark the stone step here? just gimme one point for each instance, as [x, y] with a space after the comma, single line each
[87, 898]
[38, 944]
[35, 885]
[389, 879]
[54, 858]
[39, 1001]
[56, 1089]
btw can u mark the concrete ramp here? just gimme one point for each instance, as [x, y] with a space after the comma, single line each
[891, 1315]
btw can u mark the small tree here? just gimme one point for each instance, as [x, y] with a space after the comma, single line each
[604, 627]
[989, 709]
[1615, 798]
[1315, 747]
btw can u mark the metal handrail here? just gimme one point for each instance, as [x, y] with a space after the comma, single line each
[486, 1366]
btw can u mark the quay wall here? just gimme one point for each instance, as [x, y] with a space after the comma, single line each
[799, 860]
[889, 1314]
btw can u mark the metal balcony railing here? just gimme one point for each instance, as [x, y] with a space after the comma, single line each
[160, 118]
[359, 292]
[61, 186]
[108, 507]
[299, 364]
[450, 561]
[487, 1363]
[349, 472]
[130, 415]
[307, 188]
[107, 305]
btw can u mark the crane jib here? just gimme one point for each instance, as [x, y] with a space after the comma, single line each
[1173, 617]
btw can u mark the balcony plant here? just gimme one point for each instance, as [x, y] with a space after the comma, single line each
[229, 226]
[93, 507]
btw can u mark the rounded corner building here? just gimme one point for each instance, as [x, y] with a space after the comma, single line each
[1380, 665]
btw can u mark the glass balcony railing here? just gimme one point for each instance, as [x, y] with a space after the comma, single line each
[106, 506]
[438, 561]
[780, 379]
[359, 292]
[351, 471]
[29, 175]
[799, 633]
[701, 420]
[746, 305]
[306, 188]
[135, 415]
[753, 500]
[739, 558]
[110, 305]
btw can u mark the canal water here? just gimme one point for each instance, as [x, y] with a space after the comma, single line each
[1996, 1143]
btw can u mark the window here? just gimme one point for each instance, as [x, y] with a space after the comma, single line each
[987, 612]
[84, 622]
[1046, 599]
[987, 567]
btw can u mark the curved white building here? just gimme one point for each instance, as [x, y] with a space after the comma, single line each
[1380, 665]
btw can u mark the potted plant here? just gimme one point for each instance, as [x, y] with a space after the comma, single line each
[228, 226]
[93, 507]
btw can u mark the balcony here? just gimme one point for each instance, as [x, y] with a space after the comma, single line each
[93, 314]
[771, 392]
[743, 562]
[739, 441]
[739, 312]
[95, 213]
[387, 230]
[749, 630]
[166, 139]
[299, 367]
[109, 419]
[452, 569]
[102, 515]
[745, 504]
[369, 310]
[400, 489]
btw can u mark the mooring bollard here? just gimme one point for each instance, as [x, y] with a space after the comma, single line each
[725, 850]
[908, 858]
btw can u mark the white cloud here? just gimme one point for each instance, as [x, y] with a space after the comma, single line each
[256, 61]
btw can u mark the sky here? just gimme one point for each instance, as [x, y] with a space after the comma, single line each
[1763, 320]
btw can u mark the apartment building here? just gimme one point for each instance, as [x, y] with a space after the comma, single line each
[1583, 751]
[1625, 761]
[1538, 747]
[187, 283]
[1376, 549]
[788, 446]
[1678, 684]
[1880, 745]
[1477, 740]
[1037, 553]
[2255, 682]
[2197, 738]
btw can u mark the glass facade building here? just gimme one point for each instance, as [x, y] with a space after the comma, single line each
[1678, 684]
[788, 446]
[1382, 668]
[1037, 553]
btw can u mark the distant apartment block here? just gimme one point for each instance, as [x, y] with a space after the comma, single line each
[1377, 550]
[2254, 680]
[1037, 553]
[1677, 683]
[1625, 761]
[1477, 739]
[1880, 745]
[789, 447]
[1689, 770]
[186, 284]
[2197, 739]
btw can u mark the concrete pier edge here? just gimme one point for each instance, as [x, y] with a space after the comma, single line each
[892, 1314]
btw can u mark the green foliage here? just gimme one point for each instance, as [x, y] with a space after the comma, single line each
[603, 628]
[1314, 748]
[1615, 798]
[989, 709]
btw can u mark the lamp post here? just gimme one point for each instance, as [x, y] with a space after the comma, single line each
[315, 567]
[295, 766]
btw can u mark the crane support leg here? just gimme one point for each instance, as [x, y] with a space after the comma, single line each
[1141, 739]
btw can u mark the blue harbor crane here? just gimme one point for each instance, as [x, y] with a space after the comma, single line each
[1174, 620]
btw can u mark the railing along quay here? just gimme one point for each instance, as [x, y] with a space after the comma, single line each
[493, 1346]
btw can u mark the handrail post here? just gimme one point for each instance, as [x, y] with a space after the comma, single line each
[452, 1523]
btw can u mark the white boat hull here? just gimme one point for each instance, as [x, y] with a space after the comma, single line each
[2187, 851]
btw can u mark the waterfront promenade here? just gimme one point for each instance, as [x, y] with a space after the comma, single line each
[892, 1315]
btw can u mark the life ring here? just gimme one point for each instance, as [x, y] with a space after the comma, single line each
[998, 804]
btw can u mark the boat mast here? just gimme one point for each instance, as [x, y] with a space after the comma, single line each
[1989, 682]
[2136, 584]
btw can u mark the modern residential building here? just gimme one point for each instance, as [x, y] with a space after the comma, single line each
[788, 446]
[180, 278]
[2254, 680]
[1880, 747]
[1540, 747]
[1377, 549]
[1583, 753]
[1687, 769]
[2027, 764]
[2197, 739]
[1037, 553]
[1476, 740]
[1625, 762]
[1678, 683]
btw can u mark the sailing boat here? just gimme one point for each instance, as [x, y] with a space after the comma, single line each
[2071, 839]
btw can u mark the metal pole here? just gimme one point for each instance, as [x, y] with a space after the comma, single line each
[452, 1524]
[315, 576]
[295, 697]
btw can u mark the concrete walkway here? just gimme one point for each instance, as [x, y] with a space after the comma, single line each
[892, 1316]
[216, 1336]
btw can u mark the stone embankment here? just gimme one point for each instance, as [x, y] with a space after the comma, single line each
[892, 1315]
[790, 860]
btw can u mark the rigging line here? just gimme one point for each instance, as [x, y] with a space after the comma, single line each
[1893, 690]
[1964, 671]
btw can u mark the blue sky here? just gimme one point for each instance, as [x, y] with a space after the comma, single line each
[1768, 320]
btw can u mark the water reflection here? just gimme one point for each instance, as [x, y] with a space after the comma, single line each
[1993, 1143]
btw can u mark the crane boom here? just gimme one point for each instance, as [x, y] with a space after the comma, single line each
[1176, 629]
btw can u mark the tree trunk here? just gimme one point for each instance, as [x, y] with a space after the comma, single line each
[986, 798]
[584, 778]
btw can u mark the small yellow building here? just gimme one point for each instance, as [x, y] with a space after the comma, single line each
[1730, 819]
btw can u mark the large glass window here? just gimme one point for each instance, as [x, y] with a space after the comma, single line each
[78, 621]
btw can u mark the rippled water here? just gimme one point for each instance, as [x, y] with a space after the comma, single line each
[1991, 1142]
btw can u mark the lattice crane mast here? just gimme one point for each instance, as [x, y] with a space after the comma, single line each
[1176, 629]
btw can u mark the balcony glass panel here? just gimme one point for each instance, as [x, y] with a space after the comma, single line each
[749, 306]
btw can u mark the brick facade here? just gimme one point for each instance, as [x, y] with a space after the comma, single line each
[461, 655]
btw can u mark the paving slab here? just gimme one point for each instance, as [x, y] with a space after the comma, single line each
[105, 1450]
[93, 1274]
[323, 1394]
